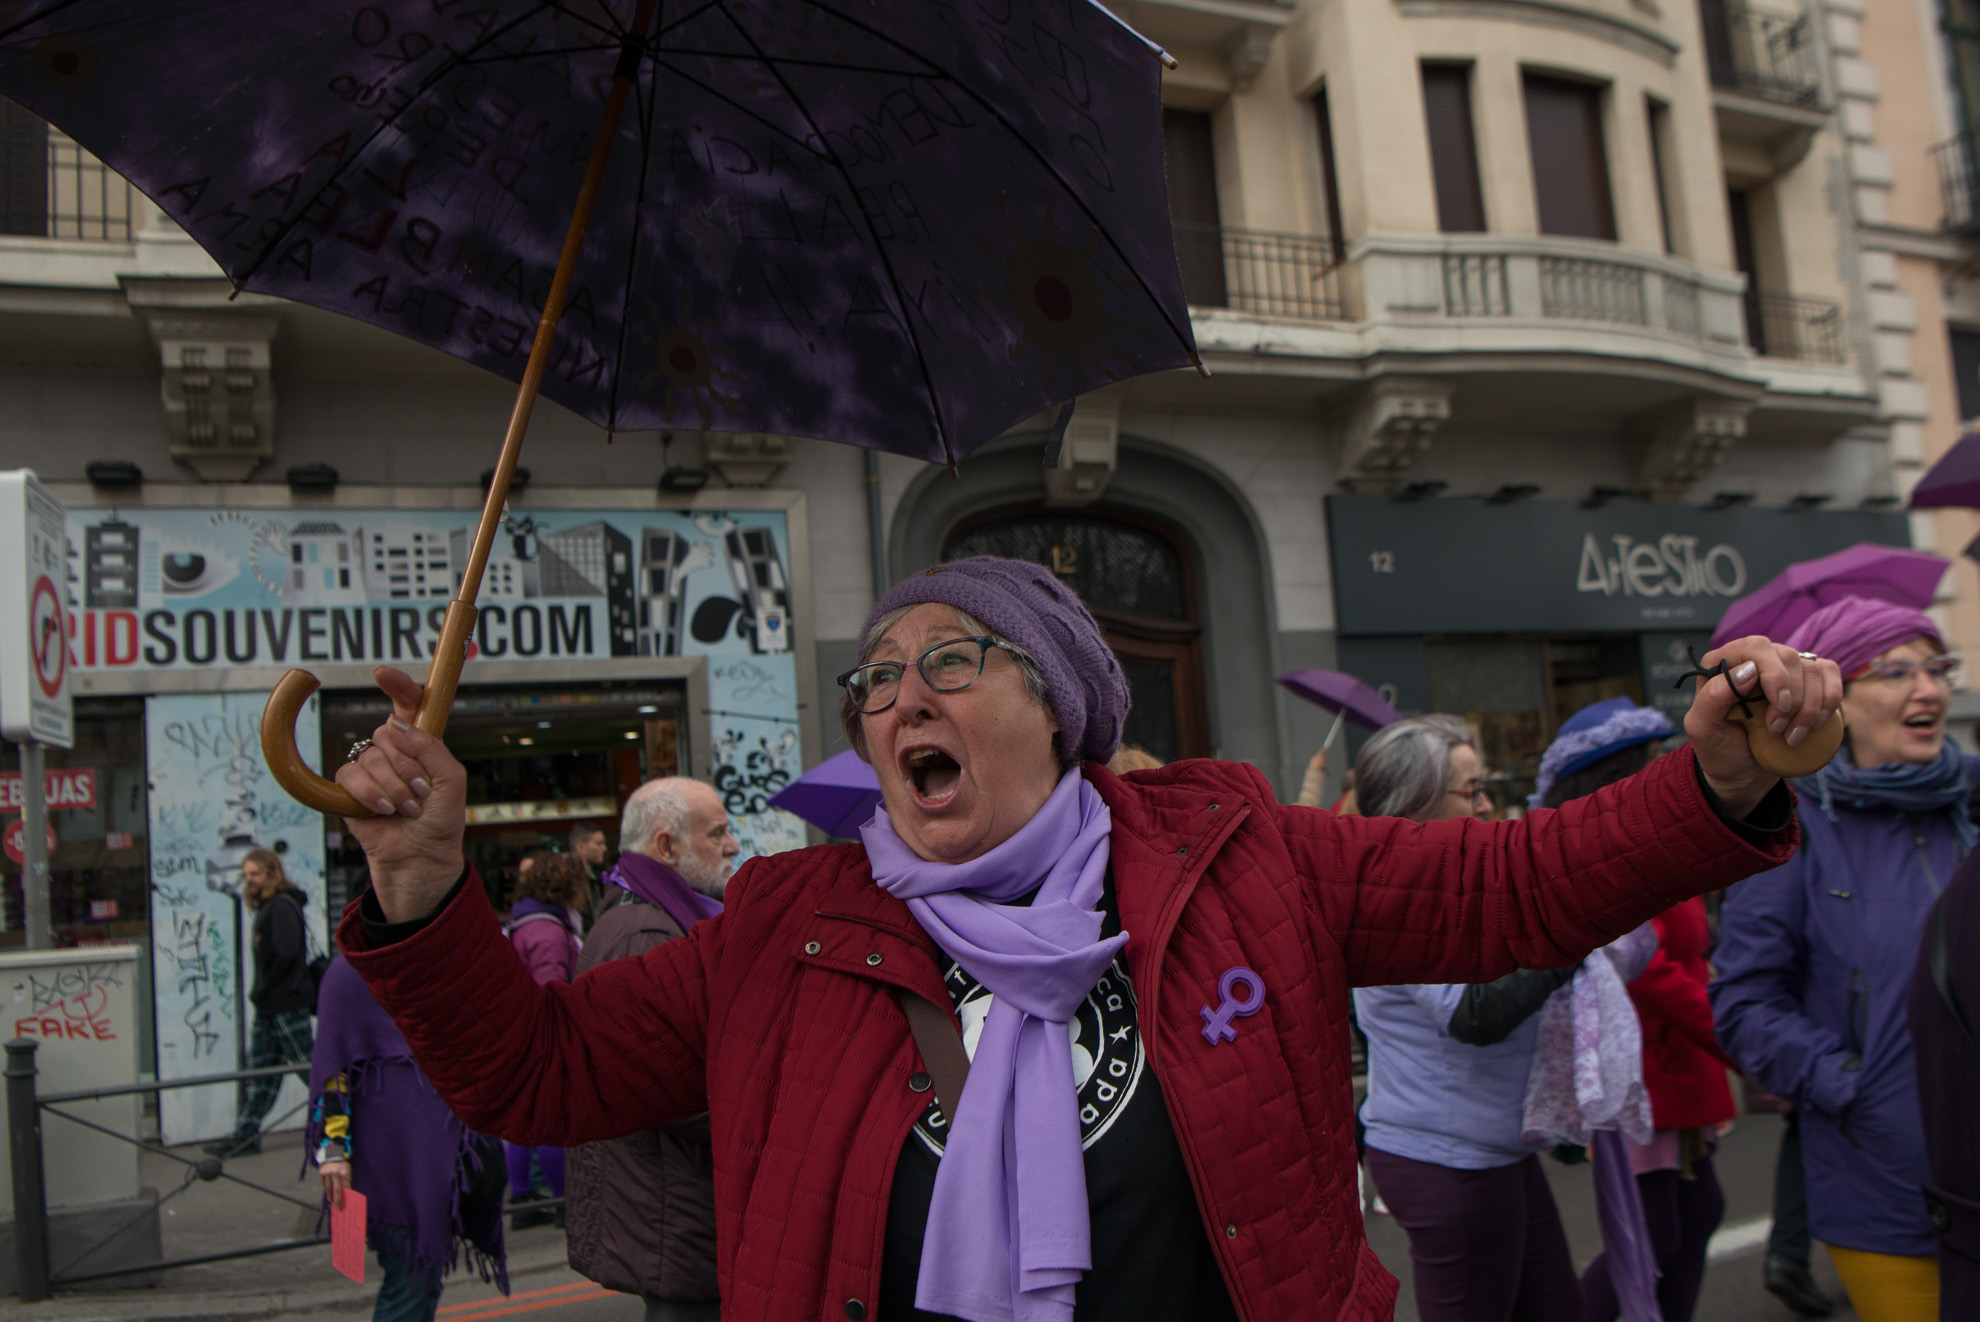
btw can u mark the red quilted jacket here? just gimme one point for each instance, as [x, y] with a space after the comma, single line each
[778, 1017]
[1683, 1069]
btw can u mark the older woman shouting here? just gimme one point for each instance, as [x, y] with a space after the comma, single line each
[1152, 971]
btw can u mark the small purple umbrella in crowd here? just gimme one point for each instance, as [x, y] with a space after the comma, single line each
[1885, 573]
[837, 796]
[1344, 695]
[1955, 479]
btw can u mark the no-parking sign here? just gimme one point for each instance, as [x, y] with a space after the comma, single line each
[34, 618]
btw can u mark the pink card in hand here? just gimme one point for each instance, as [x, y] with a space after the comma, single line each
[347, 1236]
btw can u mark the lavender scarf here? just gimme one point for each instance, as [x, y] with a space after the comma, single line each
[656, 883]
[1008, 1235]
[408, 1149]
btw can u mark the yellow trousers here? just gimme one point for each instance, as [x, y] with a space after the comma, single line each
[1886, 1287]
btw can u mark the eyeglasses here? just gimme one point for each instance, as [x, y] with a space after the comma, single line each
[1901, 671]
[1470, 793]
[946, 667]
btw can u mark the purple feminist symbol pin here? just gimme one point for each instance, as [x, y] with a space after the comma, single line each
[1217, 1023]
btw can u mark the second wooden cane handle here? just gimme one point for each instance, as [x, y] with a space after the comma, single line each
[1773, 753]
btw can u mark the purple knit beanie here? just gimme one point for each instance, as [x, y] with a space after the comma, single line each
[1025, 604]
[1855, 631]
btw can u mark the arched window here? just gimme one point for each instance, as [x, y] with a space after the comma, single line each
[1136, 577]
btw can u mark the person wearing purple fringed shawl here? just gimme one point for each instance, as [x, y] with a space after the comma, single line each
[378, 1127]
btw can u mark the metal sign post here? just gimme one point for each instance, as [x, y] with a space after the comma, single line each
[34, 665]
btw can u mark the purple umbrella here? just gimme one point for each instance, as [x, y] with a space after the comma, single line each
[894, 224]
[1955, 479]
[1344, 695]
[837, 796]
[1886, 573]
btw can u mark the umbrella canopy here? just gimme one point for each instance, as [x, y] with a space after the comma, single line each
[905, 226]
[1342, 693]
[837, 796]
[1886, 573]
[1955, 479]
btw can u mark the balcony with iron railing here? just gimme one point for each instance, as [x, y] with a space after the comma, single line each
[1261, 273]
[1762, 53]
[51, 188]
[1959, 182]
[1802, 330]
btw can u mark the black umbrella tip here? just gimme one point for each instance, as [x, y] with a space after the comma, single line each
[1197, 359]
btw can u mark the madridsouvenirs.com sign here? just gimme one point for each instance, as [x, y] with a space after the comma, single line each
[194, 589]
[1459, 565]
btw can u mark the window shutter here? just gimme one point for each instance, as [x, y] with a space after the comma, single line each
[1192, 165]
[1570, 166]
[23, 171]
[1330, 179]
[1453, 148]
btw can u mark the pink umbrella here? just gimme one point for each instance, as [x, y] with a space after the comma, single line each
[1344, 695]
[1886, 573]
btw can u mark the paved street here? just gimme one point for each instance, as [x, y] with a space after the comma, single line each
[300, 1284]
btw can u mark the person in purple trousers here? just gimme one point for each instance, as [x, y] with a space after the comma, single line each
[1945, 1033]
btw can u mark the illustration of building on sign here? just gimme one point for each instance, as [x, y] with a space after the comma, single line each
[405, 563]
[506, 575]
[594, 560]
[664, 566]
[758, 575]
[110, 562]
[322, 568]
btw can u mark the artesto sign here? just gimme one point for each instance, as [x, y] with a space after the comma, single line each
[34, 666]
[1456, 565]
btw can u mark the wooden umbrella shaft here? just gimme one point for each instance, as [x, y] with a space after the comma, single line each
[450, 652]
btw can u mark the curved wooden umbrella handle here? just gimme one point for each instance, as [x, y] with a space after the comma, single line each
[285, 763]
[436, 700]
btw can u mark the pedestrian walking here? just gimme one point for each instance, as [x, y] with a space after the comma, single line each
[545, 928]
[587, 846]
[640, 1211]
[1448, 1066]
[1815, 958]
[1194, 938]
[432, 1187]
[283, 994]
[1944, 1015]
[1684, 1070]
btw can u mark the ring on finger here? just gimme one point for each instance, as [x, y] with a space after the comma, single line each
[1808, 656]
[357, 750]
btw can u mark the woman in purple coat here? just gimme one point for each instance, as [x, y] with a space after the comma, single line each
[1815, 958]
[545, 927]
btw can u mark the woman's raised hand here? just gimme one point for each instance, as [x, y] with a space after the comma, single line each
[419, 792]
[1800, 695]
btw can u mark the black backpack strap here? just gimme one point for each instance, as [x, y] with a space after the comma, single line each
[1938, 960]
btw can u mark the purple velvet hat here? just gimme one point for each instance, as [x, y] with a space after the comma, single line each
[1025, 604]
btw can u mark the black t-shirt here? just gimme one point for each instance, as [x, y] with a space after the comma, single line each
[1151, 1256]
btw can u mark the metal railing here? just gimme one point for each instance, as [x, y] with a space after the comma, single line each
[1959, 182]
[1585, 289]
[1764, 53]
[86, 198]
[25, 1108]
[1806, 330]
[1274, 275]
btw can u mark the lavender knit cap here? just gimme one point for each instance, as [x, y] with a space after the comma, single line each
[1027, 605]
[1855, 631]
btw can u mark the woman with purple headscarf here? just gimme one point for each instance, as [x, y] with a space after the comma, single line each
[1815, 957]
